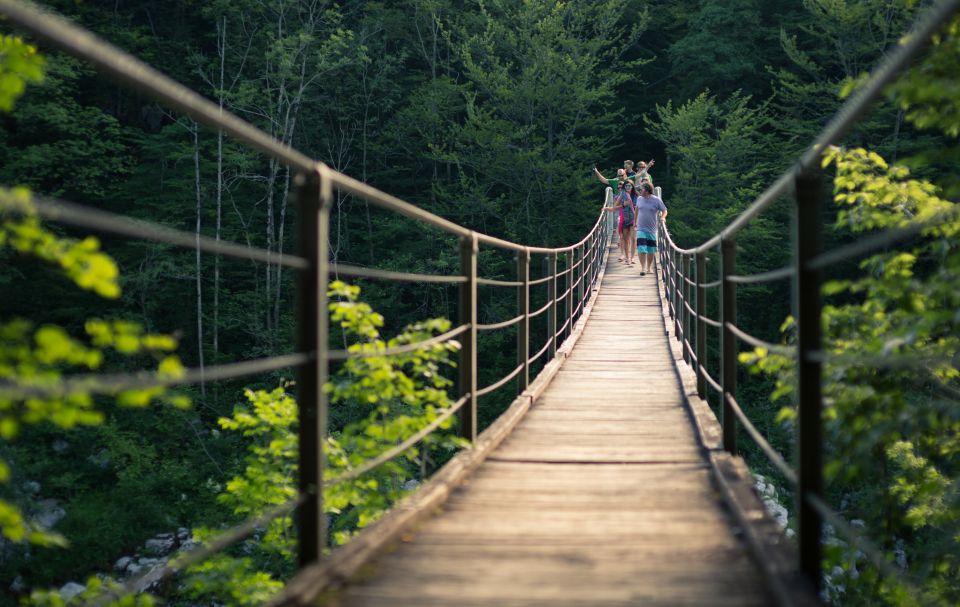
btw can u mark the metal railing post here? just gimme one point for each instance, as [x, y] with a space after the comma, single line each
[581, 277]
[468, 352]
[701, 277]
[685, 311]
[597, 255]
[523, 308]
[592, 263]
[598, 252]
[677, 294]
[809, 398]
[569, 290]
[314, 194]
[728, 341]
[552, 308]
[665, 265]
[589, 264]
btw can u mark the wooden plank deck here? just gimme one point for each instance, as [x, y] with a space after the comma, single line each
[602, 495]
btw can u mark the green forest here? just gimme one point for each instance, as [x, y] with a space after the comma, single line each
[491, 114]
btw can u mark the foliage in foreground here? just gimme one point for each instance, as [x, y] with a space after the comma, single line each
[384, 398]
[33, 359]
[891, 379]
[33, 362]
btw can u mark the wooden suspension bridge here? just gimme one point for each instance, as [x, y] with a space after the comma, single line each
[609, 480]
[603, 492]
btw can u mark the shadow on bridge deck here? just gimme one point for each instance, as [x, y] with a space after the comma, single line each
[605, 492]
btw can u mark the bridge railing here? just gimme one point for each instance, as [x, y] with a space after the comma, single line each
[574, 268]
[684, 276]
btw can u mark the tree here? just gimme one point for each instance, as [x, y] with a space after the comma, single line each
[540, 106]
[721, 50]
[833, 43]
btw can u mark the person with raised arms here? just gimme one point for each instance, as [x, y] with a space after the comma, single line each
[613, 183]
[643, 172]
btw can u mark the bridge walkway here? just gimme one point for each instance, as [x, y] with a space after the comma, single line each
[602, 494]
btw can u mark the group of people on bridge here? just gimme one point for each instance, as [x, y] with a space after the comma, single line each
[639, 210]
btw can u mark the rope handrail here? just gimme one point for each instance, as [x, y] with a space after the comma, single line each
[388, 455]
[772, 455]
[706, 319]
[709, 379]
[491, 282]
[689, 348]
[500, 325]
[540, 281]
[121, 382]
[361, 272]
[533, 358]
[781, 273]
[759, 343]
[83, 216]
[499, 383]
[341, 355]
[540, 311]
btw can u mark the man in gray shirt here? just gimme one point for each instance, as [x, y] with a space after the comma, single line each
[648, 208]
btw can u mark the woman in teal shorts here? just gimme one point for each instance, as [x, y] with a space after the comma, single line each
[648, 208]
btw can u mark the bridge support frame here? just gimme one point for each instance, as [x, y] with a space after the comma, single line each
[523, 328]
[314, 194]
[728, 341]
[665, 272]
[569, 290]
[685, 309]
[552, 308]
[468, 352]
[701, 278]
[807, 308]
[677, 297]
[581, 277]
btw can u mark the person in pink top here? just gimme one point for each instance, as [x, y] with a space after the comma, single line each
[623, 203]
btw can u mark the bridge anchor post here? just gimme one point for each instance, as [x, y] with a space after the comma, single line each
[314, 194]
[523, 310]
[701, 277]
[807, 308]
[468, 351]
[728, 358]
[552, 308]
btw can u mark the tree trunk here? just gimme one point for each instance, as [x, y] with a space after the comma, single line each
[222, 48]
[196, 168]
[896, 135]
